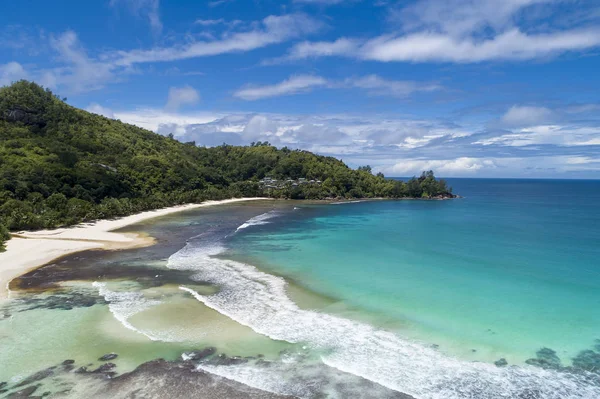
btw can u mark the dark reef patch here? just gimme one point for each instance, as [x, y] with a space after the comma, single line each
[545, 358]
[62, 299]
[587, 360]
[50, 276]
[40, 375]
[182, 379]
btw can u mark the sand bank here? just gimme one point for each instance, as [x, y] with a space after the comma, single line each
[28, 250]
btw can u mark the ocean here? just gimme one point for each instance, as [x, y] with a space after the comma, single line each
[493, 295]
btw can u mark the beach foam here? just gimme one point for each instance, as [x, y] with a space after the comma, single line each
[259, 301]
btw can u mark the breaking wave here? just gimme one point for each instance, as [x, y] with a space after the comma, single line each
[258, 220]
[259, 301]
[347, 202]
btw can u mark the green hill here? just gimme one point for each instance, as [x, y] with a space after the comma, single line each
[60, 165]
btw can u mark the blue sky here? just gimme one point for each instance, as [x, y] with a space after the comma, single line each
[474, 88]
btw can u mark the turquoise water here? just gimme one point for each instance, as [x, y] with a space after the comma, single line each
[511, 268]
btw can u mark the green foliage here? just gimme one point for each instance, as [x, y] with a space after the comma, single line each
[4, 236]
[60, 165]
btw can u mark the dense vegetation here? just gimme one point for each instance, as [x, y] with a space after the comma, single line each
[60, 165]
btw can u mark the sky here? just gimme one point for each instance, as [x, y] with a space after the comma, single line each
[468, 88]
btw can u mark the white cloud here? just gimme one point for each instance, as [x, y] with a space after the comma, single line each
[340, 47]
[217, 3]
[374, 84]
[566, 136]
[11, 72]
[461, 17]
[534, 166]
[145, 8]
[435, 47]
[180, 96]
[293, 85]
[458, 31]
[443, 167]
[79, 72]
[272, 30]
[323, 2]
[209, 22]
[527, 116]
[509, 45]
[154, 119]
[100, 110]
[397, 88]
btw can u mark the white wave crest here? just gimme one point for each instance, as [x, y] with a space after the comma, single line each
[258, 220]
[259, 301]
[347, 202]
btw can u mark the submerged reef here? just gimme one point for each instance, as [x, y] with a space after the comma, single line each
[183, 378]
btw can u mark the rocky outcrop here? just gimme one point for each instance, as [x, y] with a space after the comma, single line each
[27, 117]
[108, 356]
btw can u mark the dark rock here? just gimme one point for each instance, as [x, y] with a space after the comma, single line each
[501, 362]
[3, 391]
[587, 360]
[199, 355]
[25, 116]
[105, 368]
[224, 360]
[108, 356]
[81, 370]
[68, 365]
[40, 375]
[2, 384]
[23, 393]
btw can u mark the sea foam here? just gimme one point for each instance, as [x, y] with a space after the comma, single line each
[259, 301]
[124, 304]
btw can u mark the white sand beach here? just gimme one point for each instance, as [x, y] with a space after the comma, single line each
[28, 250]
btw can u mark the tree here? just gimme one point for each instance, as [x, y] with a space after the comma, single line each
[4, 236]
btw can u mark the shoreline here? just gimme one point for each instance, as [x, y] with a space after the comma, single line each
[28, 250]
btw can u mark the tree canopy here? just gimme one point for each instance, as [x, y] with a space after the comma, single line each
[60, 165]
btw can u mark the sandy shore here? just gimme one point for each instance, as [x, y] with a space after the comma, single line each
[28, 250]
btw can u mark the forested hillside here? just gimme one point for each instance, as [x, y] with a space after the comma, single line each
[60, 165]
